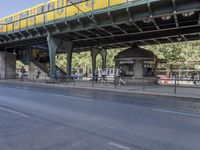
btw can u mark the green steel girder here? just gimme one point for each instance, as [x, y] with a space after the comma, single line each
[109, 24]
[94, 53]
[55, 45]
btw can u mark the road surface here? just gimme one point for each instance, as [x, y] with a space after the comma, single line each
[33, 118]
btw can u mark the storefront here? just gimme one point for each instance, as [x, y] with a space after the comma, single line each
[136, 63]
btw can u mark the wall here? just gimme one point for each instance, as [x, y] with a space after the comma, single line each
[2, 65]
[138, 69]
[7, 65]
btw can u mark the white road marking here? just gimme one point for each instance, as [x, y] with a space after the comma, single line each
[14, 112]
[18, 89]
[77, 98]
[176, 112]
[119, 146]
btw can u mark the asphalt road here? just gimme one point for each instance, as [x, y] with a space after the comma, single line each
[33, 118]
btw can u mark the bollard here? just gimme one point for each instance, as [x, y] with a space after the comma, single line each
[115, 82]
[115, 86]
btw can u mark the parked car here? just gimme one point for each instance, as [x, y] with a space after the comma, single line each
[163, 79]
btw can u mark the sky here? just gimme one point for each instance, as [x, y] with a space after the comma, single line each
[8, 7]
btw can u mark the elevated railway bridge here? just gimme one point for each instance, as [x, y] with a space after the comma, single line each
[128, 22]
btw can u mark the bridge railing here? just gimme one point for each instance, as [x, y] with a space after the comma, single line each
[63, 13]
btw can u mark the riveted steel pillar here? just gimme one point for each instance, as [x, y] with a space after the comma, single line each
[55, 44]
[103, 53]
[94, 53]
[69, 62]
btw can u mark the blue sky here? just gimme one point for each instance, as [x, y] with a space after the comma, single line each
[8, 7]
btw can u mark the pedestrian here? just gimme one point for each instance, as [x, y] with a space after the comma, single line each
[96, 76]
[121, 73]
[58, 75]
[22, 72]
[193, 79]
[37, 73]
[103, 76]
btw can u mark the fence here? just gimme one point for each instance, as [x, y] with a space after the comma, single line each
[155, 85]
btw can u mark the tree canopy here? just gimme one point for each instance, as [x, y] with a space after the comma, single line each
[183, 52]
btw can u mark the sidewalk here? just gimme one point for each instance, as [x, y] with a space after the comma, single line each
[154, 90]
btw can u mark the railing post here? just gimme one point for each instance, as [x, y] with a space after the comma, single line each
[175, 86]
[19, 24]
[65, 11]
[92, 8]
[27, 23]
[143, 84]
[54, 15]
[13, 27]
[115, 82]
[44, 17]
[78, 10]
[34, 21]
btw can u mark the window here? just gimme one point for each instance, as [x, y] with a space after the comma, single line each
[88, 3]
[40, 10]
[1, 25]
[24, 15]
[60, 3]
[16, 18]
[74, 1]
[51, 6]
[148, 68]
[32, 12]
[9, 20]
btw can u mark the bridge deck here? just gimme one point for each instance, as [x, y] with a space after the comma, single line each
[138, 21]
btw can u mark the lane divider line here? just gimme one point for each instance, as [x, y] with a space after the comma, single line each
[14, 112]
[77, 98]
[176, 112]
[119, 146]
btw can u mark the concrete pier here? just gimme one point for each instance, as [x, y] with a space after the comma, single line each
[7, 65]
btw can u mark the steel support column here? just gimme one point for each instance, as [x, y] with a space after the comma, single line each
[54, 45]
[69, 62]
[94, 53]
[103, 53]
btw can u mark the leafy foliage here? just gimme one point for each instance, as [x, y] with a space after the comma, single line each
[184, 53]
[178, 52]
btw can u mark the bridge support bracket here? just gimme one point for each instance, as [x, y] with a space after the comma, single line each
[55, 45]
[94, 53]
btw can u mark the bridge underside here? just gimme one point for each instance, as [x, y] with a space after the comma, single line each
[135, 22]
[142, 22]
